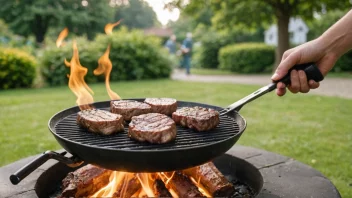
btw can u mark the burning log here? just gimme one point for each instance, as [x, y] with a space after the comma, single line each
[182, 185]
[160, 189]
[211, 178]
[85, 181]
[129, 187]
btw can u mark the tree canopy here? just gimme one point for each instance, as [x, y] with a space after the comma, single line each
[37, 16]
[82, 17]
[136, 14]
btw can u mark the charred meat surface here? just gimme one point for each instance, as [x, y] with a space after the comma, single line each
[85, 181]
[129, 108]
[162, 105]
[198, 118]
[153, 128]
[183, 185]
[212, 179]
[100, 121]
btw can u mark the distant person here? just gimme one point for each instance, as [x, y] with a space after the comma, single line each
[171, 44]
[324, 51]
[186, 50]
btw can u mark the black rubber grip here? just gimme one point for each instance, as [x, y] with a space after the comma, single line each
[311, 70]
[26, 170]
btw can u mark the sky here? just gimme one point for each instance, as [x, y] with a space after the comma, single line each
[163, 15]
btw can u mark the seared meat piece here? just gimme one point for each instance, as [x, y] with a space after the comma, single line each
[162, 105]
[100, 121]
[198, 118]
[212, 179]
[152, 127]
[85, 181]
[129, 108]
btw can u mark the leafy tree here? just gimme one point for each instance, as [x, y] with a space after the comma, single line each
[27, 17]
[262, 12]
[136, 14]
[323, 22]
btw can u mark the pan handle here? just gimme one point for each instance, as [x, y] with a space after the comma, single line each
[311, 70]
[41, 159]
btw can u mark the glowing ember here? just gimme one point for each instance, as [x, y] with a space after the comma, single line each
[108, 27]
[61, 37]
[105, 67]
[76, 80]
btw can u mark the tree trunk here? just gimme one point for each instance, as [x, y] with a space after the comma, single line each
[283, 37]
[40, 28]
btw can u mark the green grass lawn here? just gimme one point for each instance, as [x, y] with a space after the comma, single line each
[304, 127]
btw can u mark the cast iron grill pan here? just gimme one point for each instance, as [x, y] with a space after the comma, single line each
[186, 138]
[119, 152]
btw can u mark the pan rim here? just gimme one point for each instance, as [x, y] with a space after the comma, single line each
[145, 150]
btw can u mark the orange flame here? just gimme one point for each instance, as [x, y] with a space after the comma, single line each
[118, 181]
[76, 80]
[63, 34]
[105, 66]
[108, 27]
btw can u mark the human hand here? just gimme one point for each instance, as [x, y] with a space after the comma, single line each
[313, 51]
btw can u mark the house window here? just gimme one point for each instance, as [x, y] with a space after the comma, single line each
[291, 35]
[300, 29]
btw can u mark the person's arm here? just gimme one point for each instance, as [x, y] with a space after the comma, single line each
[324, 51]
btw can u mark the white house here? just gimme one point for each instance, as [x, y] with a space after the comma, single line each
[297, 29]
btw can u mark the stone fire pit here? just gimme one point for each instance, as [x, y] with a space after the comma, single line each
[283, 177]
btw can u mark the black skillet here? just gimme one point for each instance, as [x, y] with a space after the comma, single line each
[118, 152]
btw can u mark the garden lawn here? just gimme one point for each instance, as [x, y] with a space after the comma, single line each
[315, 130]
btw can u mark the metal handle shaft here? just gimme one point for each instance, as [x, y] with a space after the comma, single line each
[312, 73]
[41, 159]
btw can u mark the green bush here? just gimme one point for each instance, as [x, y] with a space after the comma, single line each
[17, 69]
[207, 55]
[54, 70]
[134, 56]
[247, 57]
[344, 63]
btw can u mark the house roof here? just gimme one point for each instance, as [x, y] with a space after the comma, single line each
[156, 31]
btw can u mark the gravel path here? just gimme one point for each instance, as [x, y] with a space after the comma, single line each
[338, 87]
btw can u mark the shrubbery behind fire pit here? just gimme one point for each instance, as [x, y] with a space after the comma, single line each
[17, 69]
[134, 56]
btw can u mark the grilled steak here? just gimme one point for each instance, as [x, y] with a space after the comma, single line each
[85, 181]
[162, 105]
[129, 108]
[152, 127]
[198, 118]
[100, 121]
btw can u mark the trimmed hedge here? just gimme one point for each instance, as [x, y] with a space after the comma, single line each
[207, 55]
[247, 57]
[17, 69]
[134, 56]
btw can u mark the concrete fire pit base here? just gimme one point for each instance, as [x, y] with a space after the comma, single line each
[283, 177]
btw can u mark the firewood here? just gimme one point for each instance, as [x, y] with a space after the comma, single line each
[183, 185]
[212, 179]
[85, 181]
